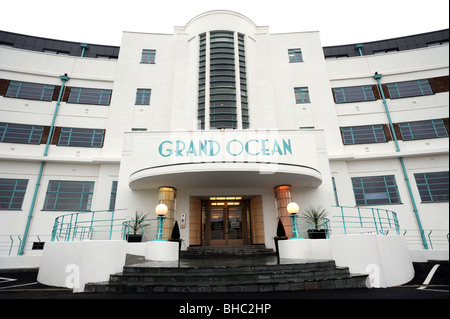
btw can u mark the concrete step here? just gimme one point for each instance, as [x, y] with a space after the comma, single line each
[259, 278]
[204, 251]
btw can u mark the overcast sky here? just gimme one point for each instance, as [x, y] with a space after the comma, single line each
[339, 21]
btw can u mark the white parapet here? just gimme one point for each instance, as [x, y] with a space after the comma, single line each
[161, 251]
[386, 259]
[73, 264]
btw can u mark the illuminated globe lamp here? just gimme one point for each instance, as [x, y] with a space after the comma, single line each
[293, 209]
[161, 211]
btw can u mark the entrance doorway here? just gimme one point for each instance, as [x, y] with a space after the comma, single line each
[226, 221]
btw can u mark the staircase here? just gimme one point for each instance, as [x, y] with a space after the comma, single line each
[221, 251]
[245, 278]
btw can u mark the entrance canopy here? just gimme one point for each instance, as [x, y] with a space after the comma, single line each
[265, 158]
[215, 175]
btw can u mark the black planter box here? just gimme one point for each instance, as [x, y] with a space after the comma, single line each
[134, 238]
[276, 247]
[317, 234]
[179, 243]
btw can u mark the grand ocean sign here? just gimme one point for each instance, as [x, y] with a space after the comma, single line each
[234, 147]
[186, 152]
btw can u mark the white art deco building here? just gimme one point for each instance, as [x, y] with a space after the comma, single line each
[225, 123]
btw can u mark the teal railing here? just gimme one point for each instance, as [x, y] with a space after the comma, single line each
[306, 227]
[436, 238]
[87, 225]
[10, 244]
[345, 219]
[147, 229]
[99, 225]
[354, 220]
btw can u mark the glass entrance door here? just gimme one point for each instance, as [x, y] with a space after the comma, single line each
[235, 226]
[217, 227]
[225, 224]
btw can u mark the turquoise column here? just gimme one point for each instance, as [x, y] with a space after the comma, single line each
[64, 78]
[295, 232]
[160, 233]
[378, 77]
[359, 47]
[84, 47]
[161, 211]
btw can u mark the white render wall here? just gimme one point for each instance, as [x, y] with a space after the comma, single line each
[420, 156]
[173, 80]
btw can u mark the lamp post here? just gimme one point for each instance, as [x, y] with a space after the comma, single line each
[293, 209]
[161, 211]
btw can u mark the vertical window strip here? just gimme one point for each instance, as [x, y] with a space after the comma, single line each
[223, 94]
[12, 193]
[335, 191]
[202, 82]
[112, 201]
[243, 82]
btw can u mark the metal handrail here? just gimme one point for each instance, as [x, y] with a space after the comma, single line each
[147, 228]
[306, 225]
[366, 219]
[10, 244]
[436, 238]
[83, 225]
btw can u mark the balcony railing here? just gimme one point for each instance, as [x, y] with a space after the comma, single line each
[88, 225]
[354, 220]
[344, 220]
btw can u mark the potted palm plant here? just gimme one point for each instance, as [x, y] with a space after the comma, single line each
[135, 230]
[316, 218]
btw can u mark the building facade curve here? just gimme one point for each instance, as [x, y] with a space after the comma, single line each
[225, 114]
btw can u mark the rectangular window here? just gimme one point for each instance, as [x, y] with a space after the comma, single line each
[148, 56]
[143, 96]
[83, 137]
[89, 96]
[423, 129]
[375, 190]
[302, 95]
[20, 133]
[30, 91]
[363, 134]
[69, 196]
[353, 94]
[433, 187]
[295, 55]
[12, 193]
[112, 200]
[409, 88]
